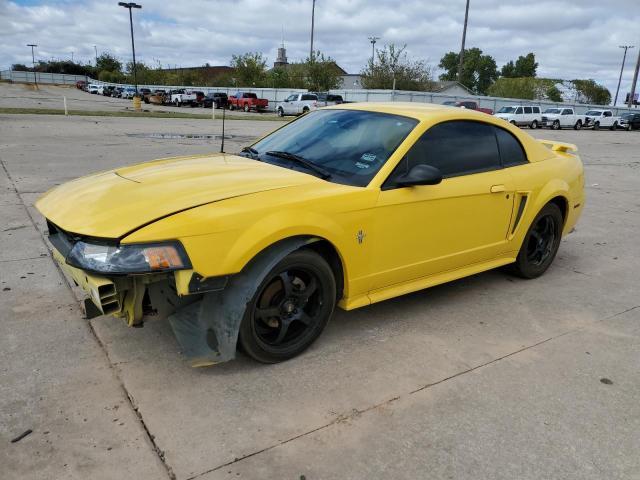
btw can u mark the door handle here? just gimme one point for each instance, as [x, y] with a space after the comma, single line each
[497, 188]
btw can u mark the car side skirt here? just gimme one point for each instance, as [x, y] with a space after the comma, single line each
[421, 283]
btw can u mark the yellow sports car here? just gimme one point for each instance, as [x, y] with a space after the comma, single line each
[347, 205]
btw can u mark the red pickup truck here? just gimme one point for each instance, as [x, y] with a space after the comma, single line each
[471, 105]
[247, 101]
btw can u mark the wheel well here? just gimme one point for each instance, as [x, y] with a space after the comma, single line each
[327, 251]
[562, 204]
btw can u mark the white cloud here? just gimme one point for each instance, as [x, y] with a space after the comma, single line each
[570, 39]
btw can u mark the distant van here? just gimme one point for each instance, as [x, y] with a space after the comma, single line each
[521, 115]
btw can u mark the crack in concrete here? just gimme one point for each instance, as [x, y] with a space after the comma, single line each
[355, 412]
[151, 438]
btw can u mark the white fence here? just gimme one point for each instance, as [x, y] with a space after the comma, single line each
[276, 95]
[51, 78]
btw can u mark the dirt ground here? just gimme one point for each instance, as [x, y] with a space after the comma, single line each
[486, 377]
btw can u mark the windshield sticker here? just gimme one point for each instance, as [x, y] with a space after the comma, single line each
[361, 165]
[368, 157]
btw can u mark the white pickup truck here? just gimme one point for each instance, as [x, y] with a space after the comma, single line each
[562, 117]
[182, 97]
[297, 104]
[602, 118]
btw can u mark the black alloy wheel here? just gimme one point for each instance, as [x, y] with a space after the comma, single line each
[290, 308]
[540, 244]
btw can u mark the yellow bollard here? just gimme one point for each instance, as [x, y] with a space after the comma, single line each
[137, 104]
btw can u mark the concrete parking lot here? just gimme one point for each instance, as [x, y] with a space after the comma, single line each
[489, 377]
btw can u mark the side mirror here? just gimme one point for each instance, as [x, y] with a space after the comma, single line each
[420, 175]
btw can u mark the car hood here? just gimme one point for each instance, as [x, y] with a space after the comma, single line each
[551, 115]
[114, 203]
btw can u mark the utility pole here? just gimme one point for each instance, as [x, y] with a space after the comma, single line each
[464, 38]
[131, 5]
[33, 63]
[313, 13]
[373, 41]
[635, 80]
[624, 57]
[71, 56]
[96, 49]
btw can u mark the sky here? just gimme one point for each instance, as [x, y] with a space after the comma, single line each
[571, 38]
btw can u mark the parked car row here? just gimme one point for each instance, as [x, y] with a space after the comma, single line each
[531, 116]
[565, 117]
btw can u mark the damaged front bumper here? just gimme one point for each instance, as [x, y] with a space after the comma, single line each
[204, 313]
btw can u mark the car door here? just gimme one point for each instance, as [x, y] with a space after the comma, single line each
[567, 118]
[425, 230]
[288, 106]
[519, 116]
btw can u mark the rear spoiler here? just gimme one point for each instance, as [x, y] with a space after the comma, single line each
[559, 146]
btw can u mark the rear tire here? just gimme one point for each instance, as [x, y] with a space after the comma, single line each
[540, 244]
[247, 108]
[556, 125]
[289, 309]
[534, 125]
[614, 126]
[596, 126]
[280, 112]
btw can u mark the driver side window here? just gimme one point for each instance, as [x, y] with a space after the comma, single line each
[455, 148]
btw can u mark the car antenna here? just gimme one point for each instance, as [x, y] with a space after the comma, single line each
[222, 143]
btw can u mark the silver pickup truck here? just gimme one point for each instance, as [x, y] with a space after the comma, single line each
[297, 104]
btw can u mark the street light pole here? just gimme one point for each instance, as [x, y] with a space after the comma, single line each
[313, 13]
[635, 80]
[464, 37]
[373, 41]
[624, 57]
[131, 5]
[33, 63]
[96, 49]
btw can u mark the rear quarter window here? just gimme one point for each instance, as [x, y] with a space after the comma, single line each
[511, 151]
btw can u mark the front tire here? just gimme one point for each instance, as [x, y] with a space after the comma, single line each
[596, 126]
[289, 309]
[534, 125]
[578, 125]
[556, 125]
[614, 126]
[280, 112]
[247, 108]
[540, 244]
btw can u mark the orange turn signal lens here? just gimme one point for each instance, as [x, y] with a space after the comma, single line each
[162, 258]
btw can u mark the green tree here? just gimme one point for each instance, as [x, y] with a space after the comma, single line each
[588, 91]
[108, 62]
[321, 73]
[19, 67]
[392, 62]
[527, 88]
[478, 71]
[524, 66]
[250, 69]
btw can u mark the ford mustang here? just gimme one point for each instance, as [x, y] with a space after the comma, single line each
[346, 206]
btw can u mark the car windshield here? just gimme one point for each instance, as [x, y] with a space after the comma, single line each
[593, 113]
[507, 110]
[626, 115]
[351, 145]
[552, 110]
